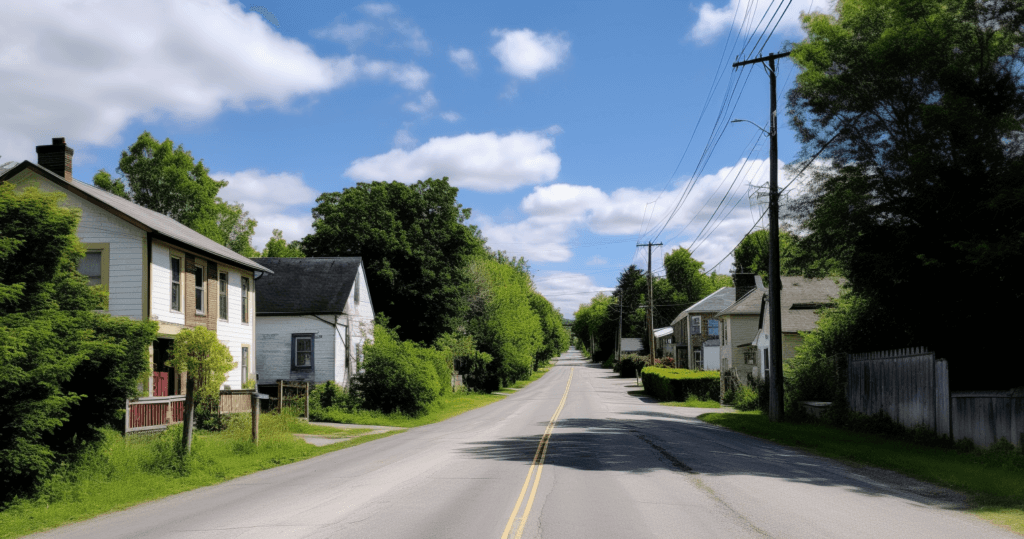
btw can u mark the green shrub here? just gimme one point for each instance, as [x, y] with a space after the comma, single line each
[440, 360]
[669, 384]
[331, 395]
[393, 379]
[751, 396]
[629, 364]
[608, 363]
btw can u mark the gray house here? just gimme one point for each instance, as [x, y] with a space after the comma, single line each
[313, 316]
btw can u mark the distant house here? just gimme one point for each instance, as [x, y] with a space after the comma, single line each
[738, 328]
[631, 345]
[313, 316]
[663, 338]
[800, 297]
[153, 268]
[697, 324]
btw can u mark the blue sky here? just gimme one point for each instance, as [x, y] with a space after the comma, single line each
[574, 130]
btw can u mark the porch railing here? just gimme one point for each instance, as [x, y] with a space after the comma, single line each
[153, 413]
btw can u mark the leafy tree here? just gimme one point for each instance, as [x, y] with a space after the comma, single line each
[415, 246]
[393, 378]
[165, 179]
[198, 352]
[918, 107]
[555, 338]
[65, 369]
[502, 320]
[686, 274]
[751, 253]
[595, 324]
[277, 247]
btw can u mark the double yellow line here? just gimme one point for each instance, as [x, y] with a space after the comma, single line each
[538, 465]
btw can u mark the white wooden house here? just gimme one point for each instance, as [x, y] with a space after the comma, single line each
[313, 317]
[800, 299]
[154, 268]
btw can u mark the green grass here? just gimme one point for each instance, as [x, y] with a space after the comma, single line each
[122, 472]
[994, 479]
[441, 409]
[533, 378]
[692, 402]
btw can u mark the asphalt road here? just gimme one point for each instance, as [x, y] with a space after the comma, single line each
[612, 465]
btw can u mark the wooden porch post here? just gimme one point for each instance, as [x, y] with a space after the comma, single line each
[280, 396]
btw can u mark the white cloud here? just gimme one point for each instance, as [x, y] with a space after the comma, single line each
[279, 200]
[597, 261]
[555, 213]
[426, 103]
[566, 290]
[451, 116]
[404, 139]
[378, 10]
[479, 161]
[86, 70]
[525, 54]
[712, 21]
[464, 58]
[352, 34]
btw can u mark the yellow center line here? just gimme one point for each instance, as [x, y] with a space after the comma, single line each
[537, 464]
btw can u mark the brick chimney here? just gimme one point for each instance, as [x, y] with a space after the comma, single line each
[744, 282]
[56, 157]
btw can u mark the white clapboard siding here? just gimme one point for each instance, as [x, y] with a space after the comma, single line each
[233, 333]
[127, 246]
[161, 291]
[274, 346]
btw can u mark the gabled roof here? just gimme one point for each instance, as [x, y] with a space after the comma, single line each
[662, 332]
[799, 299]
[306, 285]
[750, 304]
[713, 303]
[160, 225]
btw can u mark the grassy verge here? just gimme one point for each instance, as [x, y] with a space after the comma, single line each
[533, 378]
[692, 402]
[122, 472]
[994, 478]
[441, 409]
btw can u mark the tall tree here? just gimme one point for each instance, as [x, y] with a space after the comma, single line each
[415, 246]
[277, 247]
[751, 253]
[918, 106]
[168, 180]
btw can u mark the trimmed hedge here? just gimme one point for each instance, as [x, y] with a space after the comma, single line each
[681, 384]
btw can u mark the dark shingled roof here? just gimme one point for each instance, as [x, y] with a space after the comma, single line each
[306, 285]
[161, 225]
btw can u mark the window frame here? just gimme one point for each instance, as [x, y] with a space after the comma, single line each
[245, 299]
[695, 318]
[104, 284]
[222, 295]
[698, 360]
[312, 351]
[716, 326]
[175, 281]
[200, 286]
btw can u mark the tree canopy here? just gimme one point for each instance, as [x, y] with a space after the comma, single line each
[415, 247]
[277, 247]
[168, 180]
[751, 253]
[914, 111]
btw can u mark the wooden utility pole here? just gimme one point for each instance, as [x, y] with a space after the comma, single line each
[255, 405]
[618, 346]
[650, 298]
[774, 279]
[190, 408]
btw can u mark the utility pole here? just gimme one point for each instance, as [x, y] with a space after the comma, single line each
[618, 347]
[774, 280]
[650, 297]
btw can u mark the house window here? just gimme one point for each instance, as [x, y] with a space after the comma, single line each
[698, 360]
[175, 284]
[302, 350]
[764, 356]
[694, 325]
[725, 332]
[200, 289]
[92, 267]
[245, 365]
[223, 296]
[713, 327]
[245, 300]
[750, 356]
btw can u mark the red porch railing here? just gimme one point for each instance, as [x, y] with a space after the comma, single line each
[153, 413]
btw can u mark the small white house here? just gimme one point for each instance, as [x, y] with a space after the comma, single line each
[313, 317]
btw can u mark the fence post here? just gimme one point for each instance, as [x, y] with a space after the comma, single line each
[189, 414]
[255, 403]
[127, 415]
[280, 396]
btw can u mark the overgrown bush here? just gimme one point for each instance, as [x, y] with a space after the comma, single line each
[393, 379]
[670, 384]
[628, 365]
[440, 360]
[331, 395]
[472, 364]
[65, 370]
[608, 363]
[751, 396]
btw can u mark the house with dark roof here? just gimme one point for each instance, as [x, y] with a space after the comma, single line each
[800, 299]
[153, 268]
[738, 327]
[313, 317]
[697, 324]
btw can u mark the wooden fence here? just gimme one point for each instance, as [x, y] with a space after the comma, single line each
[158, 413]
[912, 388]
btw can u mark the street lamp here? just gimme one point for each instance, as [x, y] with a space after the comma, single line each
[753, 124]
